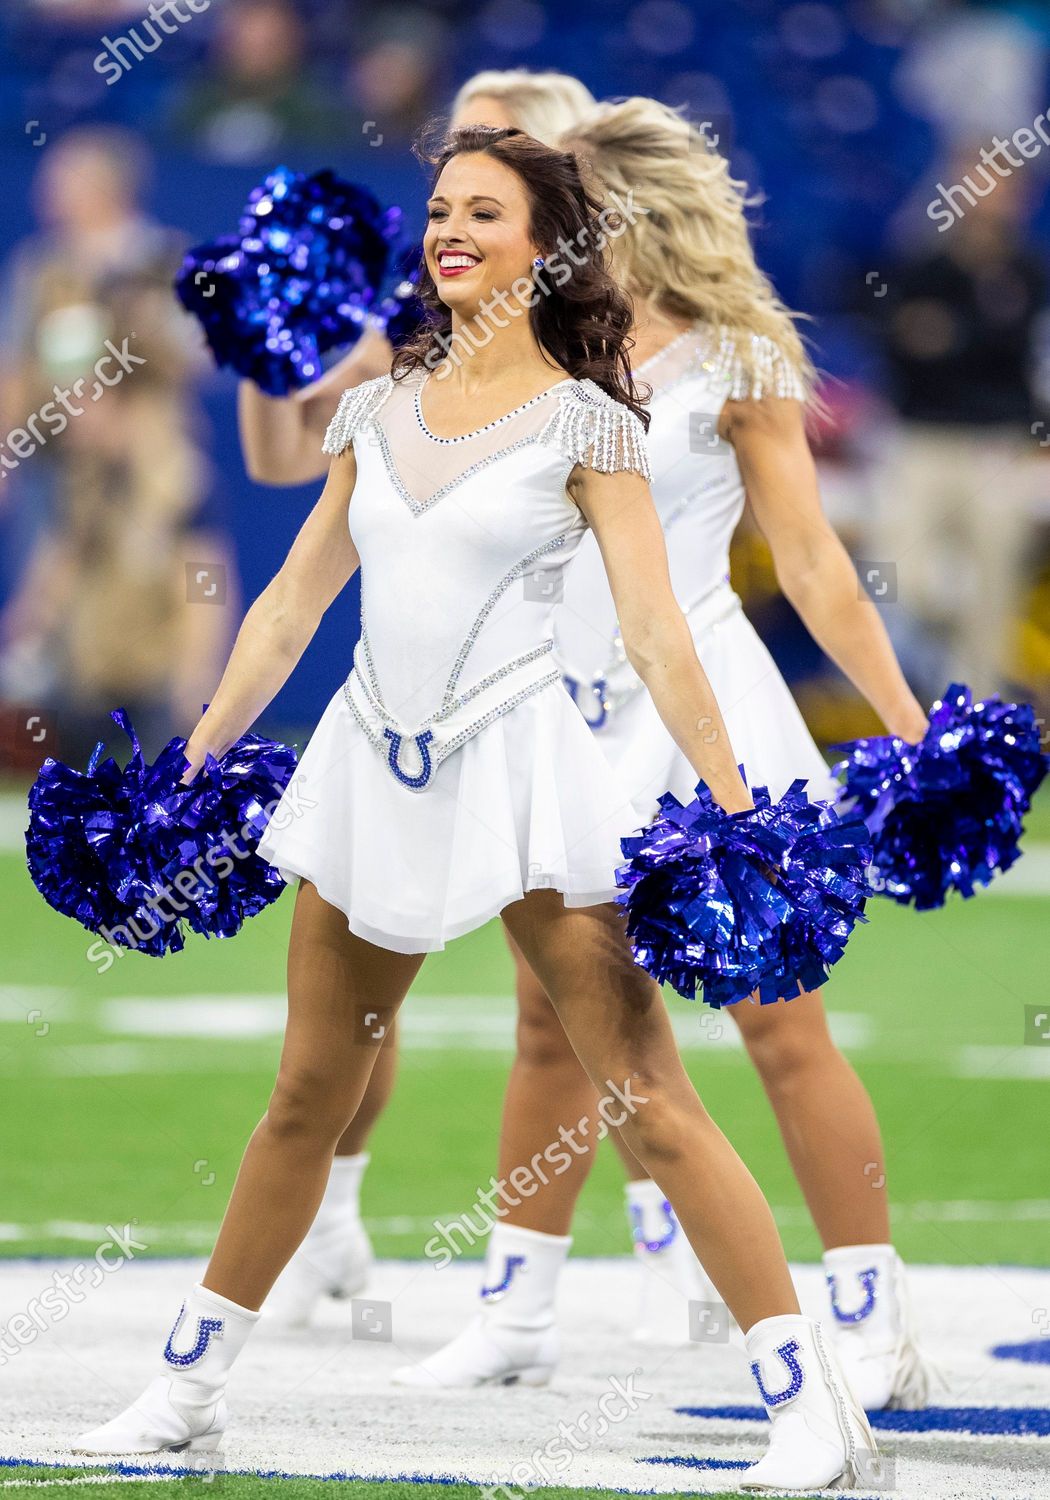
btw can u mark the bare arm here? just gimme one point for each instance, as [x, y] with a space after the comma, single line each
[281, 435]
[282, 621]
[812, 566]
[655, 633]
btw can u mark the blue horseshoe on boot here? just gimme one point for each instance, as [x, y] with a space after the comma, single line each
[510, 1265]
[867, 1280]
[785, 1352]
[207, 1329]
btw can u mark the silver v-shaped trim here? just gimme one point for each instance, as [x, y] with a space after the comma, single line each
[418, 507]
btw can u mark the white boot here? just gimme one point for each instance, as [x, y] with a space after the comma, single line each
[870, 1320]
[820, 1437]
[335, 1259]
[669, 1274]
[513, 1340]
[183, 1410]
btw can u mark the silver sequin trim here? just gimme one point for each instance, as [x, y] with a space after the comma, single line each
[771, 373]
[594, 430]
[489, 605]
[440, 752]
[495, 713]
[356, 407]
[486, 682]
[465, 436]
[417, 507]
[613, 698]
[449, 701]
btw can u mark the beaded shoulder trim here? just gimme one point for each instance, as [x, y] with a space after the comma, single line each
[767, 372]
[356, 407]
[588, 427]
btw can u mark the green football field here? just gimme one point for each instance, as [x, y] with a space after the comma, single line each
[128, 1096]
[105, 1485]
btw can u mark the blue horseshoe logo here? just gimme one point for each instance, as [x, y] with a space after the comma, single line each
[665, 1239]
[596, 692]
[510, 1265]
[785, 1352]
[867, 1280]
[394, 758]
[207, 1329]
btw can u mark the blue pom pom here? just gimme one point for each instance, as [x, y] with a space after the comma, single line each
[135, 856]
[401, 312]
[299, 278]
[732, 904]
[947, 813]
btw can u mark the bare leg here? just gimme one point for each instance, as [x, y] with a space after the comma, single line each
[826, 1118]
[547, 1089]
[631, 1165]
[615, 1018]
[337, 985]
[354, 1138]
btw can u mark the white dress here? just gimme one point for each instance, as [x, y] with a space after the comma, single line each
[699, 495]
[451, 773]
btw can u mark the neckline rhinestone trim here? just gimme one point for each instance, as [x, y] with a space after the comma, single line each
[488, 427]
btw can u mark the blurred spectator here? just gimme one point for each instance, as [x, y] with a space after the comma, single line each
[975, 71]
[396, 80]
[257, 96]
[959, 327]
[96, 367]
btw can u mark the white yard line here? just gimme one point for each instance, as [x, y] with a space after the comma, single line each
[200, 1235]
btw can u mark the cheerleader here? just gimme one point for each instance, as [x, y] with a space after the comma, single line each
[281, 440]
[451, 778]
[729, 382]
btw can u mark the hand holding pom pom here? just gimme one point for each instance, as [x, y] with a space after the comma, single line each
[299, 278]
[946, 814]
[731, 904]
[135, 853]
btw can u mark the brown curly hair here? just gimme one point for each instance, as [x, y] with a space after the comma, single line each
[583, 322]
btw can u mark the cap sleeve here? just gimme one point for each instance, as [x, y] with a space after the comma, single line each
[356, 409]
[753, 366]
[591, 428]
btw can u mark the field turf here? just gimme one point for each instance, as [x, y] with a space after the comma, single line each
[122, 1110]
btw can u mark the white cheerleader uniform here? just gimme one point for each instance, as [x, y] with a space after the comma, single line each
[451, 773]
[699, 494]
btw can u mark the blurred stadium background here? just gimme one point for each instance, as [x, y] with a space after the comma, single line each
[130, 540]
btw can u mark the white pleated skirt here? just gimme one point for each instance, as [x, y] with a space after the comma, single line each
[766, 729]
[530, 802]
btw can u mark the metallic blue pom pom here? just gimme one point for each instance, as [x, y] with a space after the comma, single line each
[401, 312]
[136, 857]
[300, 277]
[733, 904]
[947, 813]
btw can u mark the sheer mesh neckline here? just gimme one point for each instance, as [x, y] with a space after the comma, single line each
[488, 426]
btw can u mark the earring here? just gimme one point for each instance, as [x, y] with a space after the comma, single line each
[538, 262]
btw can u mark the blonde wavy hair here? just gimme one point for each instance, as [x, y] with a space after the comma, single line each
[545, 105]
[688, 249]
